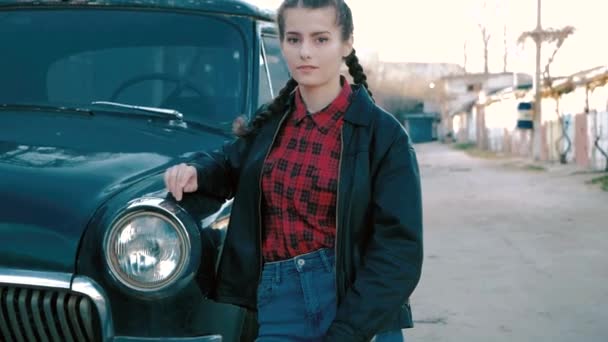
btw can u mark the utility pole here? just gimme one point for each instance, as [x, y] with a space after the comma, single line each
[506, 46]
[536, 136]
[539, 36]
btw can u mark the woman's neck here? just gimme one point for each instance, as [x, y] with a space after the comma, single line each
[317, 98]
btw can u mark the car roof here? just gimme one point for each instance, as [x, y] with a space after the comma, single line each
[233, 7]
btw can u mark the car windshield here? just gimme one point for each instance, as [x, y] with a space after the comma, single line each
[194, 64]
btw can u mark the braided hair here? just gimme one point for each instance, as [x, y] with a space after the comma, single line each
[279, 104]
[356, 71]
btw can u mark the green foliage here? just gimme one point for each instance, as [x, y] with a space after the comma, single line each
[464, 146]
[602, 180]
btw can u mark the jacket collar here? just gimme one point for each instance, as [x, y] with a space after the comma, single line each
[358, 111]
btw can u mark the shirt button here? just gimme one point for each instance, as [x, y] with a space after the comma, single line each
[301, 262]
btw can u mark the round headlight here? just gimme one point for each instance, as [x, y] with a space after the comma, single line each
[147, 251]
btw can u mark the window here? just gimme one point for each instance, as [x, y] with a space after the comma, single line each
[191, 63]
[264, 94]
[279, 73]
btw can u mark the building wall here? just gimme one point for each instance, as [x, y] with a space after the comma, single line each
[472, 127]
[581, 128]
[597, 126]
[464, 90]
[581, 141]
[501, 126]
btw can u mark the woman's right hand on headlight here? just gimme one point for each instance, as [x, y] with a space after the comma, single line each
[180, 179]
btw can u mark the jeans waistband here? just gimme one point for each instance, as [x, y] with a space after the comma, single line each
[322, 259]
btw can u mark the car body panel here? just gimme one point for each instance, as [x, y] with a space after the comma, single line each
[69, 171]
[63, 167]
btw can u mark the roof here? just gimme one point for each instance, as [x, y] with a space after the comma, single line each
[235, 7]
[475, 76]
[593, 77]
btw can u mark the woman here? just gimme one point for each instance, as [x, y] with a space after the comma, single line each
[325, 236]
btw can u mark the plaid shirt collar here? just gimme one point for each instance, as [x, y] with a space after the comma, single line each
[324, 118]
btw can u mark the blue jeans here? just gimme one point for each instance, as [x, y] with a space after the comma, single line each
[297, 299]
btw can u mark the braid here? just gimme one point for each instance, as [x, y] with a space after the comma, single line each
[356, 71]
[276, 107]
[344, 20]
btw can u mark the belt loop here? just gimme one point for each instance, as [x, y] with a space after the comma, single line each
[324, 254]
[277, 273]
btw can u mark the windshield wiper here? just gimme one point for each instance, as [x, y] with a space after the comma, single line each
[45, 108]
[171, 113]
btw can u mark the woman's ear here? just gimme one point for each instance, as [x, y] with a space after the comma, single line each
[347, 47]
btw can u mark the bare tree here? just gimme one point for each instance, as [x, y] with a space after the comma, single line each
[550, 35]
[485, 36]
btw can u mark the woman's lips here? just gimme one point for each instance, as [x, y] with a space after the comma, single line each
[307, 68]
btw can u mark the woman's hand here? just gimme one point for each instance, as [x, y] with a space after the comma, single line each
[180, 179]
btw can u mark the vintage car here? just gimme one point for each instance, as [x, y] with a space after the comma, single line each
[97, 100]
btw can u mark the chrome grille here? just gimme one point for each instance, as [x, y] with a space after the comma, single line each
[28, 314]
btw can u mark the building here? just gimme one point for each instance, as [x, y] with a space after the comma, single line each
[574, 122]
[455, 95]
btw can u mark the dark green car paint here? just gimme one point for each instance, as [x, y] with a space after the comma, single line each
[62, 167]
[64, 175]
[229, 7]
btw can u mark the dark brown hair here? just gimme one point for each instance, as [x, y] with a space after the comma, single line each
[344, 20]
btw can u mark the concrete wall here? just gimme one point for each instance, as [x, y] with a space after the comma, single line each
[597, 126]
[501, 127]
[493, 126]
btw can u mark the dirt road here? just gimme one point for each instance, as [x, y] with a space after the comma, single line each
[511, 253]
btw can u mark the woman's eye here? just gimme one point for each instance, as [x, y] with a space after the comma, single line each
[323, 40]
[292, 40]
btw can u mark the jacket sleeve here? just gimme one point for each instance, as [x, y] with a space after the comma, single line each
[218, 171]
[393, 261]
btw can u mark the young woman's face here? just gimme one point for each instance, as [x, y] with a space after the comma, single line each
[313, 45]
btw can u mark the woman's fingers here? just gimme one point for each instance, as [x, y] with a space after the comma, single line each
[169, 176]
[179, 179]
[190, 187]
[188, 179]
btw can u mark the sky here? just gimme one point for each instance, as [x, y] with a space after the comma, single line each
[435, 31]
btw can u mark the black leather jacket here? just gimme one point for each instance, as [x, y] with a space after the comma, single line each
[379, 220]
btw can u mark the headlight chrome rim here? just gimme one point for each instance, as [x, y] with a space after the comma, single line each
[161, 209]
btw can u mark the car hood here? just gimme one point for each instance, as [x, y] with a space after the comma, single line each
[57, 169]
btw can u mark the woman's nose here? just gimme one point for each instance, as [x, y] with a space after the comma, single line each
[305, 50]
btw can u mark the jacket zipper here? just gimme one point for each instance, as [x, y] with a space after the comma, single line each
[261, 262]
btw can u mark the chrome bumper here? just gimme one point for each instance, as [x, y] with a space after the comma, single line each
[53, 301]
[211, 338]
[89, 288]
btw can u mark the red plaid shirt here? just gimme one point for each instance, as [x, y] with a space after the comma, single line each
[300, 180]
